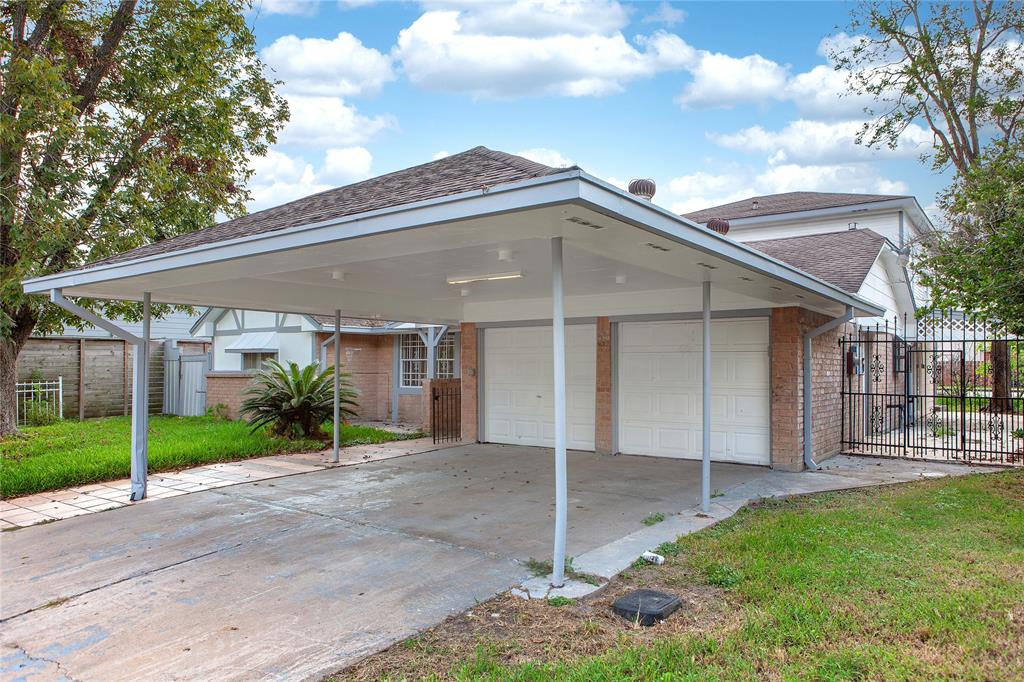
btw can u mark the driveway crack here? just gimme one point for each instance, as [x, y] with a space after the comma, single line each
[30, 658]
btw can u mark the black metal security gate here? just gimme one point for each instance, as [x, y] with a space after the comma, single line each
[446, 410]
[937, 395]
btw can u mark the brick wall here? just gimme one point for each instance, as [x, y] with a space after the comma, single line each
[225, 388]
[368, 359]
[603, 386]
[788, 326]
[470, 376]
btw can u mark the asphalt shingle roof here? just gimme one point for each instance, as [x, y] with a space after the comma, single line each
[473, 169]
[839, 258]
[787, 202]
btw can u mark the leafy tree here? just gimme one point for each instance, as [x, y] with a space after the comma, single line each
[958, 68]
[295, 401]
[121, 123]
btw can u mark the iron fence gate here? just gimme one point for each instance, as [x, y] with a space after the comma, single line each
[954, 391]
[446, 410]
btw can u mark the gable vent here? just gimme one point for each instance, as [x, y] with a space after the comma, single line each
[657, 247]
[584, 223]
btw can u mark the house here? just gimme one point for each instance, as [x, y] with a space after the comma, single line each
[589, 317]
[860, 242]
[374, 352]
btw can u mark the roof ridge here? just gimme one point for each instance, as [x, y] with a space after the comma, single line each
[511, 160]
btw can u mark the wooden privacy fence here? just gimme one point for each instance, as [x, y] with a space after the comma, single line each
[97, 372]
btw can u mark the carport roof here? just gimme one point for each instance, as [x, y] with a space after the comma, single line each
[405, 242]
[473, 169]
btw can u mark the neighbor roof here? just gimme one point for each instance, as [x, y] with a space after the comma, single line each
[327, 322]
[840, 258]
[787, 202]
[473, 169]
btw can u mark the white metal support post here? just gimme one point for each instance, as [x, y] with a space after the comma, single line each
[140, 407]
[705, 488]
[140, 392]
[337, 386]
[558, 348]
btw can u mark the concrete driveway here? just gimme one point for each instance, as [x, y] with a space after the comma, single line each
[297, 577]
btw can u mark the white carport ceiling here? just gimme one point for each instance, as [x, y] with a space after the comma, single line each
[396, 263]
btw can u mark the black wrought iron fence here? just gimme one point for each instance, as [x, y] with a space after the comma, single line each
[446, 410]
[954, 390]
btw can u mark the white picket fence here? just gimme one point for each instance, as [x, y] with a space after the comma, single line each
[45, 397]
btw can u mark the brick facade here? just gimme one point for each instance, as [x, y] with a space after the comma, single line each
[788, 326]
[603, 385]
[368, 358]
[225, 388]
[470, 377]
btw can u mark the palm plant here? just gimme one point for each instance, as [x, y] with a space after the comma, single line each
[293, 402]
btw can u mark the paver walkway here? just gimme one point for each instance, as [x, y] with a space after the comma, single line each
[96, 497]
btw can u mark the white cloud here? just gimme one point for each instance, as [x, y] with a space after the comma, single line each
[548, 157]
[665, 14]
[537, 18]
[329, 121]
[702, 189]
[341, 66]
[720, 80]
[346, 164]
[806, 141]
[440, 155]
[498, 51]
[290, 7]
[279, 178]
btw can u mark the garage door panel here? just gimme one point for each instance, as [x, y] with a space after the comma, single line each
[518, 363]
[660, 406]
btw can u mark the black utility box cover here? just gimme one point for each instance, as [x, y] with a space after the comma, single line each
[646, 607]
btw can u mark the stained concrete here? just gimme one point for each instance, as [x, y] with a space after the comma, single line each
[299, 576]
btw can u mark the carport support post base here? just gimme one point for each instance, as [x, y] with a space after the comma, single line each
[140, 408]
[558, 347]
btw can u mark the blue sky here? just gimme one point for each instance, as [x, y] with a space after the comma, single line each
[715, 101]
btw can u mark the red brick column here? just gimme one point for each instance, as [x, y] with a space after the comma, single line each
[603, 398]
[470, 374]
[788, 326]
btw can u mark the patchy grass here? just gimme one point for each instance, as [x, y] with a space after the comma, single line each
[560, 601]
[72, 453]
[917, 581]
[656, 517]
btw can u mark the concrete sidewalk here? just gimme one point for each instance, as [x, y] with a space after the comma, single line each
[55, 505]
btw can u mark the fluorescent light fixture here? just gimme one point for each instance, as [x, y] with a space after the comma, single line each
[338, 275]
[467, 279]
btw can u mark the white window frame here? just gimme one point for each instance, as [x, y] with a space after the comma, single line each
[446, 358]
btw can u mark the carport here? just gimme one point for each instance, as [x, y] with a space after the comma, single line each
[480, 237]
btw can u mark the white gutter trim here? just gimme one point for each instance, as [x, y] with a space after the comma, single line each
[909, 204]
[573, 186]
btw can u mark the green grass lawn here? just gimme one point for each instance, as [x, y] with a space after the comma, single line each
[75, 453]
[916, 581]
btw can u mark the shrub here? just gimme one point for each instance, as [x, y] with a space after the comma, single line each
[293, 402]
[39, 412]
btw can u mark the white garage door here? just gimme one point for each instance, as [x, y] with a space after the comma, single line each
[659, 382]
[519, 388]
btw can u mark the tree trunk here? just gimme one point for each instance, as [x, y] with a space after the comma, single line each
[1000, 360]
[24, 323]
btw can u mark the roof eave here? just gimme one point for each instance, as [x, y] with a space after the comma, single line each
[572, 186]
